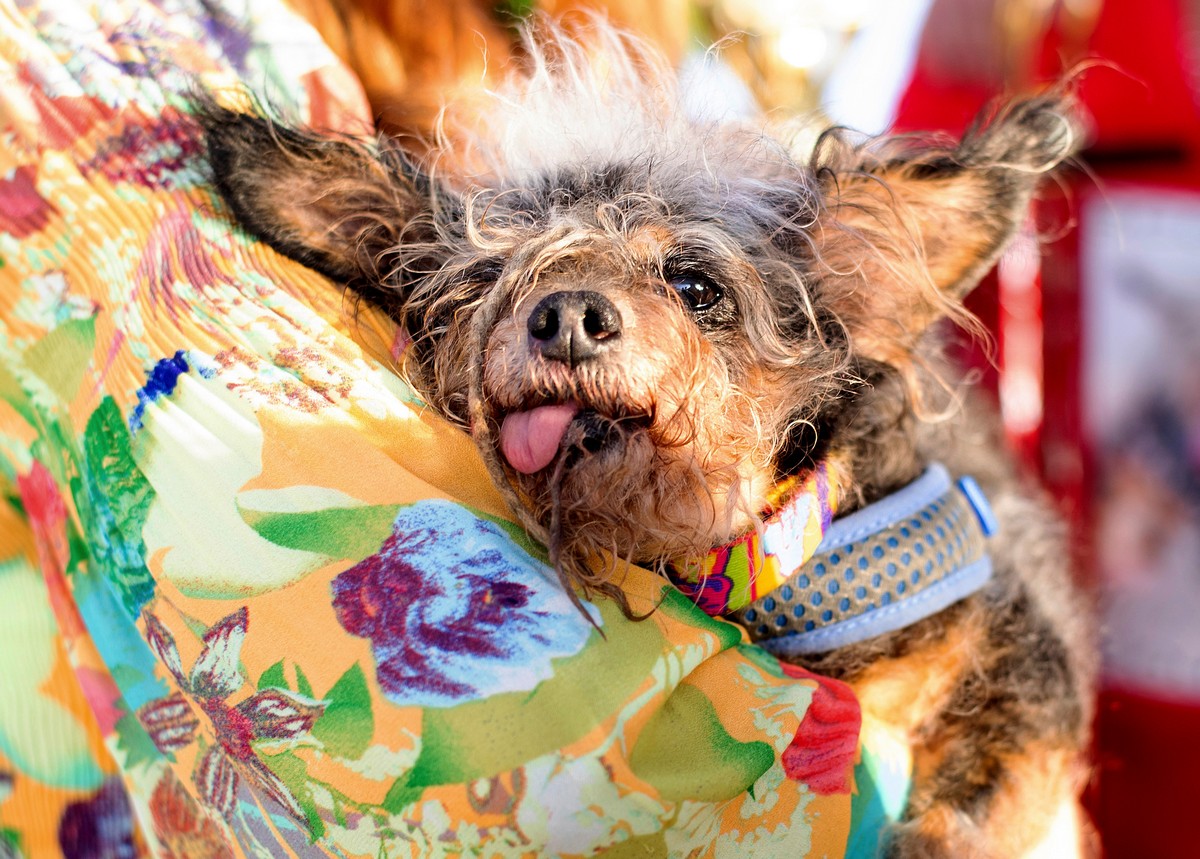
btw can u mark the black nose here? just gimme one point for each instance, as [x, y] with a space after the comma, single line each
[574, 326]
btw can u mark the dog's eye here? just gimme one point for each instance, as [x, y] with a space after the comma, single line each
[697, 292]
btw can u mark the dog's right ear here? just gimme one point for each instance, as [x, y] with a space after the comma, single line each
[338, 205]
[911, 226]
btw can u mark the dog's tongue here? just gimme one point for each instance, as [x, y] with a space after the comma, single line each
[529, 440]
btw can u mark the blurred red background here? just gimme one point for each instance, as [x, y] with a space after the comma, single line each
[1110, 458]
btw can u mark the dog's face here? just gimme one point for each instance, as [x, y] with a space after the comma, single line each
[644, 322]
[638, 371]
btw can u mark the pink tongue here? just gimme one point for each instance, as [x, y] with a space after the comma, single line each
[529, 440]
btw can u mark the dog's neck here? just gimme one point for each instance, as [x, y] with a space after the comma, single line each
[879, 437]
[881, 568]
[802, 583]
[872, 452]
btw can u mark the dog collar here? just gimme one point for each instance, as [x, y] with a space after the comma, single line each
[881, 568]
[733, 576]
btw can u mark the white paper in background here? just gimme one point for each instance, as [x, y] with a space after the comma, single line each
[1140, 257]
[864, 88]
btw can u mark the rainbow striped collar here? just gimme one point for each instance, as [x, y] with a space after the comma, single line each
[732, 576]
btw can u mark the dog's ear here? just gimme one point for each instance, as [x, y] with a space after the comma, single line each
[338, 205]
[909, 229]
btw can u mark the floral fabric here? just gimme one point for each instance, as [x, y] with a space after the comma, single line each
[255, 600]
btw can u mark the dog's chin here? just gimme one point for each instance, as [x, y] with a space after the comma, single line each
[598, 440]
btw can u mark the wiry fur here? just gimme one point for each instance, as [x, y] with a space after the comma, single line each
[584, 174]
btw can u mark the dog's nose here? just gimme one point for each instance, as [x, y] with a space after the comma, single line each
[574, 326]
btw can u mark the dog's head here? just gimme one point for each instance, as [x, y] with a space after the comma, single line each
[645, 321]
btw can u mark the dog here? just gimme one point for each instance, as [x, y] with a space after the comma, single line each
[656, 330]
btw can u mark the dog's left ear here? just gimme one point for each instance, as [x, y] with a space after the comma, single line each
[338, 205]
[908, 231]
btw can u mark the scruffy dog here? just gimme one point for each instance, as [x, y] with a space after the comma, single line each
[649, 324]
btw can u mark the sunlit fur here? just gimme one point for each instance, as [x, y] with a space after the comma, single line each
[837, 259]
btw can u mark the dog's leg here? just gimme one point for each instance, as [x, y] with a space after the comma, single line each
[997, 774]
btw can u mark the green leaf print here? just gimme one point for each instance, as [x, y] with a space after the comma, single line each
[119, 499]
[479, 739]
[347, 725]
[134, 743]
[293, 772]
[338, 532]
[401, 795]
[302, 684]
[675, 605]
[273, 677]
[14, 393]
[686, 753]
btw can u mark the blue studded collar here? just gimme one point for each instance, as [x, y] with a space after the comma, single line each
[881, 568]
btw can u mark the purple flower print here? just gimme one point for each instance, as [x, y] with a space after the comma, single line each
[455, 610]
[99, 827]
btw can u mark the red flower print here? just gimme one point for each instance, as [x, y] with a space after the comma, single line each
[22, 209]
[170, 722]
[47, 514]
[267, 715]
[823, 752]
